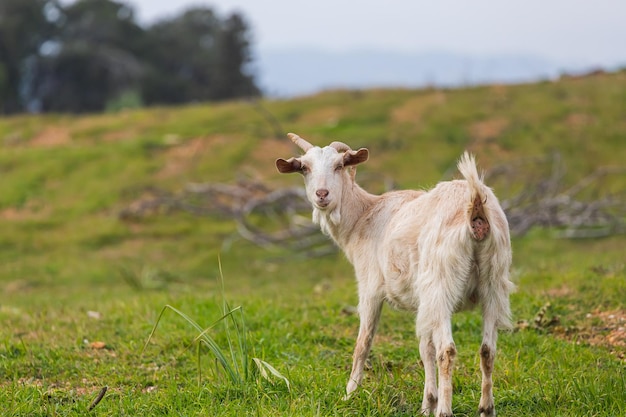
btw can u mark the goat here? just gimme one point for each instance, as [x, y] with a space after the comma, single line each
[432, 253]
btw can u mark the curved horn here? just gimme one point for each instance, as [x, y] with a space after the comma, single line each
[303, 144]
[340, 146]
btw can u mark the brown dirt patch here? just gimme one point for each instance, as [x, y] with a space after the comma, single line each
[11, 213]
[120, 135]
[180, 157]
[19, 286]
[326, 116]
[485, 136]
[268, 150]
[562, 291]
[579, 120]
[605, 328]
[29, 212]
[61, 389]
[598, 328]
[412, 110]
[489, 129]
[51, 136]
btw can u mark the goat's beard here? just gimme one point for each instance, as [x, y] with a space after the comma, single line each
[327, 219]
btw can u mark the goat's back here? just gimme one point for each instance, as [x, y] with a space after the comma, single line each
[414, 234]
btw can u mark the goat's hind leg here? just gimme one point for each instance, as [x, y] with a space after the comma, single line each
[496, 313]
[369, 313]
[434, 319]
[487, 359]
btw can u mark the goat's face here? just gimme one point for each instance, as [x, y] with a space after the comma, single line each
[325, 173]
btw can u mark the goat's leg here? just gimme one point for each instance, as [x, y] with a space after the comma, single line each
[369, 313]
[427, 353]
[438, 297]
[487, 357]
[496, 311]
[446, 353]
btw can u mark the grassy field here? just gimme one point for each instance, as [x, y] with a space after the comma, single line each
[81, 289]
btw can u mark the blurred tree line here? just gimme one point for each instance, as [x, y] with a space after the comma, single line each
[92, 55]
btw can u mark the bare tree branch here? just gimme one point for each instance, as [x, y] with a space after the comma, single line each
[537, 197]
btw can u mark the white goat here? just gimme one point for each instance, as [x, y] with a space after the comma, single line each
[432, 253]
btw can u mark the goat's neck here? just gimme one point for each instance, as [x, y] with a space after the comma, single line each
[340, 222]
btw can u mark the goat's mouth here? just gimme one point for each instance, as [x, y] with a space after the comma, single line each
[322, 204]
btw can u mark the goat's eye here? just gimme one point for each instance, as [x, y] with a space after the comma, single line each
[304, 169]
[338, 168]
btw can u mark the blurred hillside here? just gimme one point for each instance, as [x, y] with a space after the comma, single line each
[65, 179]
[81, 285]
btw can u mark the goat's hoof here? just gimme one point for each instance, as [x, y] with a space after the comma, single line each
[350, 388]
[347, 395]
[426, 411]
[447, 413]
[488, 411]
[429, 405]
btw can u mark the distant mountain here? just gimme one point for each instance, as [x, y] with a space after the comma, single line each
[292, 72]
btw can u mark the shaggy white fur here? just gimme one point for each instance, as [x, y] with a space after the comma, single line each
[431, 252]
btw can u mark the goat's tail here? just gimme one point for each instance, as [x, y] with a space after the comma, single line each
[476, 215]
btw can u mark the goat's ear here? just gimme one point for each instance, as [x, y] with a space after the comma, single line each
[355, 157]
[288, 166]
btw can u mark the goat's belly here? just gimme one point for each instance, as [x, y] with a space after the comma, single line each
[471, 295]
[399, 294]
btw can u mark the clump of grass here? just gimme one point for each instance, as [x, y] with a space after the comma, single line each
[236, 357]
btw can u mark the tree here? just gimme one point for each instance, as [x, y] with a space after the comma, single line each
[180, 56]
[232, 72]
[198, 57]
[96, 58]
[25, 27]
[90, 53]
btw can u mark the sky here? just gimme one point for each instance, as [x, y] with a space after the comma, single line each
[586, 32]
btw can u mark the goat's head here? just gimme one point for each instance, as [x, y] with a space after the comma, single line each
[324, 170]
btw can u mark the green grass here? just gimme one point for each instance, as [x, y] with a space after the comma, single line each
[73, 273]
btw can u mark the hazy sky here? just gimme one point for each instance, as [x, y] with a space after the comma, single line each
[592, 32]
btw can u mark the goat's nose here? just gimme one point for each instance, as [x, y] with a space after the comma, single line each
[322, 193]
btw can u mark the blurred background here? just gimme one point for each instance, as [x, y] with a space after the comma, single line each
[96, 55]
[138, 142]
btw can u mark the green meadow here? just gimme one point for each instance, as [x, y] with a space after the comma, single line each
[82, 289]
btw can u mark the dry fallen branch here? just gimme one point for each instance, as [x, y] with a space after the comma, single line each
[538, 197]
[99, 398]
[263, 216]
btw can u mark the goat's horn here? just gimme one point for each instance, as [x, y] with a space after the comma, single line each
[340, 146]
[303, 144]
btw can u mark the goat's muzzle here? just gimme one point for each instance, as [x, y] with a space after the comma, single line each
[322, 195]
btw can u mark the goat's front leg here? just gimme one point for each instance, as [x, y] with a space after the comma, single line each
[369, 313]
[427, 353]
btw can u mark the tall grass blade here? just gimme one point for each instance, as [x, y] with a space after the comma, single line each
[263, 367]
[204, 338]
[235, 362]
[241, 333]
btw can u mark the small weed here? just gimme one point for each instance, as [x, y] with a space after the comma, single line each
[235, 359]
